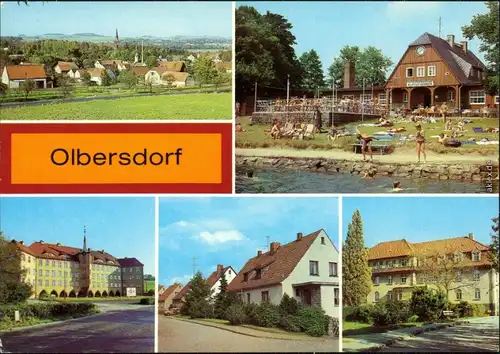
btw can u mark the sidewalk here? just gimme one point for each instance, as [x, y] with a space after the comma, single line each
[376, 341]
[254, 332]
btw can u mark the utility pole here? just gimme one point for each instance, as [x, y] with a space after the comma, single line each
[439, 27]
[194, 265]
[287, 95]
[267, 242]
[142, 51]
[333, 101]
[255, 99]
[363, 102]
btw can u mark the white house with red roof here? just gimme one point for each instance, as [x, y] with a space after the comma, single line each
[305, 269]
[14, 75]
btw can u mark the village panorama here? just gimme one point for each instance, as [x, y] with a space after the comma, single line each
[89, 75]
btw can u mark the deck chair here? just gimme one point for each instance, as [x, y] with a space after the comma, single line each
[309, 132]
[287, 130]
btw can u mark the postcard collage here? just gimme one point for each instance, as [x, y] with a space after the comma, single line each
[220, 176]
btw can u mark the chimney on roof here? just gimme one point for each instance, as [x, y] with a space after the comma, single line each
[102, 251]
[219, 268]
[464, 45]
[471, 236]
[299, 236]
[349, 74]
[89, 250]
[259, 253]
[21, 242]
[58, 244]
[274, 246]
[450, 39]
[41, 241]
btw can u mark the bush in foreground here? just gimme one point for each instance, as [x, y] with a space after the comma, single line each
[147, 301]
[313, 321]
[235, 314]
[427, 304]
[48, 310]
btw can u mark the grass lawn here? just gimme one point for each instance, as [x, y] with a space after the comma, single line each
[192, 106]
[255, 136]
[358, 328]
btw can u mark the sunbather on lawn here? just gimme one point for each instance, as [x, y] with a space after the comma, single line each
[275, 130]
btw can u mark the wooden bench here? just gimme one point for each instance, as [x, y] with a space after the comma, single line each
[449, 314]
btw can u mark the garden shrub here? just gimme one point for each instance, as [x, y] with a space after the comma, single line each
[289, 306]
[313, 321]
[252, 313]
[290, 323]
[362, 313]
[391, 313]
[200, 308]
[413, 319]
[427, 304]
[235, 314]
[268, 315]
[147, 301]
[46, 310]
[466, 309]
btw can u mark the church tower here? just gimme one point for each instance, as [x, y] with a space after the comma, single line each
[117, 38]
[84, 238]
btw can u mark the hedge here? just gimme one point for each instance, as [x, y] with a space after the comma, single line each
[48, 310]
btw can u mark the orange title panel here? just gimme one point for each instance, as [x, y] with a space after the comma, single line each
[94, 158]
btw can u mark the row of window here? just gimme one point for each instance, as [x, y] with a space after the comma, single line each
[398, 295]
[477, 294]
[314, 268]
[431, 71]
[403, 278]
[264, 296]
[475, 97]
[456, 257]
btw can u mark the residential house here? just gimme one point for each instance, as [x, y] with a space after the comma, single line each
[176, 79]
[63, 271]
[140, 71]
[76, 74]
[214, 279]
[14, 75]
[96, 75]
[112, 64]
[461, 262]
[166, 297]
[178, 300]
[191, 58]
[178, 66]
[64, 67]
[305, 269]
[161, 289]
[226, 66]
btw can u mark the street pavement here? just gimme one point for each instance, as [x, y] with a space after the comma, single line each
[182, 336]
[126, 331]
[480, 335]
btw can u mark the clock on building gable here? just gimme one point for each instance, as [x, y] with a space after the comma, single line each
[420, 50]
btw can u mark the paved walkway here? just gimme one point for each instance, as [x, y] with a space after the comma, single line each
[188, 336]
[402, 157]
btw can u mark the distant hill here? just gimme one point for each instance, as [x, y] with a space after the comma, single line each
[86, 35]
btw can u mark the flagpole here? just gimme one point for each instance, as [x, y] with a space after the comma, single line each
[363, 102]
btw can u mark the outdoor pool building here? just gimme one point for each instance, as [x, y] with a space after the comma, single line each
[432, 71]
[62, 271]
[459, 264]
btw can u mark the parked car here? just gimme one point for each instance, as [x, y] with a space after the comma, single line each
[171, 312]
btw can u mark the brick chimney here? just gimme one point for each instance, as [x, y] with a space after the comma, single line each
[41, 241]
[471, 236]
[21, 242]
[349, 74]
[464, 45]
[219, 268]
[450, 39]
[274, 246]
[299, 236]
[259, 253]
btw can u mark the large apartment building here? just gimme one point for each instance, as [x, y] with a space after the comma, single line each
[459, 266]
[62, 271]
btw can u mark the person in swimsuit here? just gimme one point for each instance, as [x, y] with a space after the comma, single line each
[366, 141]
[275, 130]
[396, 187]
[420, 137]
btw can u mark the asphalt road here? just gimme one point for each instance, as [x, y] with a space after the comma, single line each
[477, 336]
[181, 336]
[128, 331]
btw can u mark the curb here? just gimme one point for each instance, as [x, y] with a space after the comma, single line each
[242, 333]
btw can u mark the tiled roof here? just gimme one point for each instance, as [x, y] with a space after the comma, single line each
[95, 72]
[275, 267]
[457, 60]
[402, 248]
[183, 292]
[130, 262]
[23, 72]
[178, 76]
[169, 291]
[140, 70]
[177, 66]
[212, 279]
[66, 65]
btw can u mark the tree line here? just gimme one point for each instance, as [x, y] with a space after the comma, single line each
[265, 54]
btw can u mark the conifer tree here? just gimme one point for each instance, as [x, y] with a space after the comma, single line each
[197, 301]
[356, 274]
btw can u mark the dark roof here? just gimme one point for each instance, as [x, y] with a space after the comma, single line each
[130, 262]
[274, 267]
[183, 292]
[459, 62]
